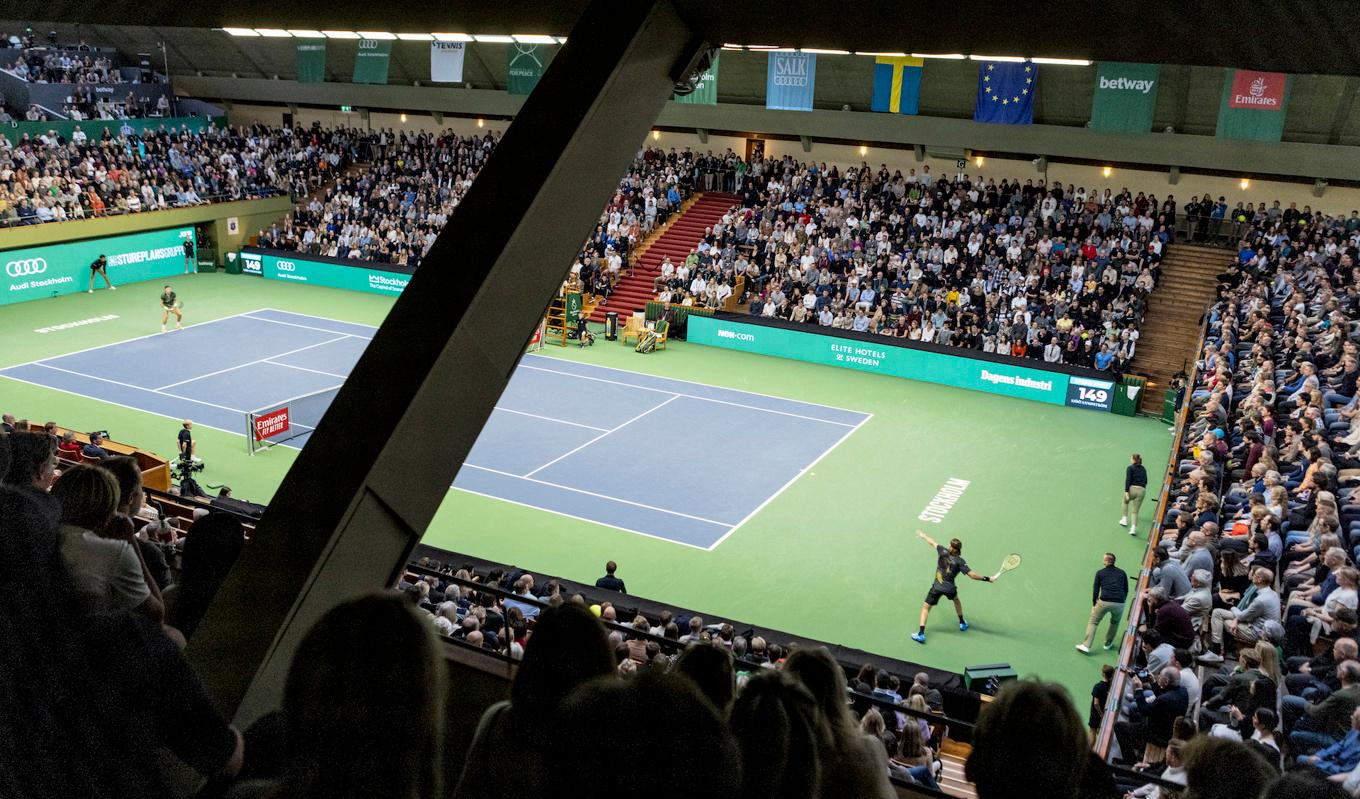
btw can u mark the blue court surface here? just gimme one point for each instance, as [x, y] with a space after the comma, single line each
[604, 449]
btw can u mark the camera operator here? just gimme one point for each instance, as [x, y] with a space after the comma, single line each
[186, 441]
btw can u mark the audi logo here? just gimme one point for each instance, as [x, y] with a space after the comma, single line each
[26, 267]
[287, 266]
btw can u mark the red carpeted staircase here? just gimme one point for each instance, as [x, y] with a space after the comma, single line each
[634, 291]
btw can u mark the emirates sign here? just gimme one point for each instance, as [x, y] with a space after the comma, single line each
[1260, 90]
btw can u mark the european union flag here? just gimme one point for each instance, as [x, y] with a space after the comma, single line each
[1005, 92]
[897, 84]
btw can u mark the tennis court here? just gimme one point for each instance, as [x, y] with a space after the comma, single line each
[571, 438]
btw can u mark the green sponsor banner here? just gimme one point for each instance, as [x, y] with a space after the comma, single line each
[523, 67]
[311, 61]
[707, 93]
[1253, 105]
[35, 273]
[318, 273]
[371, 60]
[1125, 97]
[573, 307]
[94, 128]
[1010, 380]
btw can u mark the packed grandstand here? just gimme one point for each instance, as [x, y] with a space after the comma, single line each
[1237, 673]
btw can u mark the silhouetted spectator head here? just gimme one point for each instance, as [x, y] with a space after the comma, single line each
[1305, 785]
[129, 476]
[1028, 723]
[775, 723]
[1217, 768]
[822, 676]
[568, 647]
[711, 670]
[211, 548]
[652, 713]
[32, 461]
[88, 496]
[363, 706]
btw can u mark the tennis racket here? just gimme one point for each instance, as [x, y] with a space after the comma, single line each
[1012, 560]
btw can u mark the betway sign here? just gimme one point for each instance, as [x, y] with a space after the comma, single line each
[1125, 84]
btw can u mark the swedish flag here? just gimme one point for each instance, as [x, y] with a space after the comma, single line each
[1005, 92]
[897, 84]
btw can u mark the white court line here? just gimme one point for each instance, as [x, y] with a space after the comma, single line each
[340, 337]
[304, 369]
[309, 327]
[139, 388]
[577, 518]
[115, 404]
[791, 481]
[602, 435]
[675, 394]
[692, 383]
[551, 419]
[597, 496]
[130, 340]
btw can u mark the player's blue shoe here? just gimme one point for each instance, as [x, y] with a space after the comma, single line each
[919, 638]
[963, 626]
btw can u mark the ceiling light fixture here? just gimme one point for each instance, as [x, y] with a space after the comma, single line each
[305, 34]
[274, 33]
[885, 55]
[342, 35]
[378, 35]
[247, 32]
[416, 37]
[533, 38]
[494, 38]
[451, 37]
[945, 56]
[1011, 59]
[821, 51]
[1067, 62]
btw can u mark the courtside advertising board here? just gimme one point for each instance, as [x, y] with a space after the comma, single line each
[35, 273]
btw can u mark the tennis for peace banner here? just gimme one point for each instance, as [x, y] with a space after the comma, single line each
[523, 68]
[1125, 97]
[1253, 105]
[707, 92]
[897, 84]
[311, 60]
[371, 60]
[446, 61]
[789, 81]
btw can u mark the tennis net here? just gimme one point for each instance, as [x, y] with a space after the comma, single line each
[288, 419]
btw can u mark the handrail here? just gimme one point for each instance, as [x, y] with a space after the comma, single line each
[1134, 614]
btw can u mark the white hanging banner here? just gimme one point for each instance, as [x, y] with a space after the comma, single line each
[446, 61]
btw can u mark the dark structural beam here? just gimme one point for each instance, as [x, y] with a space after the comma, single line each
[369, 481]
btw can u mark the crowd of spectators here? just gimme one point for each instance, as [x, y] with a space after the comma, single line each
[50, 178]
[1254, 573]
[49, 65]
[1054, 273]
[392, 210]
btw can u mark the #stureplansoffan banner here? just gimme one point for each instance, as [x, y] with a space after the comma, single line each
[1056, 388]
[35, 273]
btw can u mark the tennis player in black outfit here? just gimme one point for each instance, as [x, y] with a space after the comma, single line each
[950, 565]
[170, 305]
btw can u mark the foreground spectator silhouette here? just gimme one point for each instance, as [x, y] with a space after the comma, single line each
[91, 691]
[1217, 768]
[363, 708]
[212, 546]
[33, 461]
[1030, 742]
[775, 723]
[852, 763]
[568, 647]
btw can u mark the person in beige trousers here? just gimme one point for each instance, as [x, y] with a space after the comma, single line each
[1135, 486]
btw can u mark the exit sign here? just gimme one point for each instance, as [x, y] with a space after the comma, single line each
[346, 109]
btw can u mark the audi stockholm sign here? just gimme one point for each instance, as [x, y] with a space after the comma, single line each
[26, 267]
[34, 273]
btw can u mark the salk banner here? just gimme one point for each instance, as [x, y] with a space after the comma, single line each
[311, 60]
[789, 81]
[707, 92]
[1253, 105]
[1125, 97]
[446, 61]
[371, 60]
[523, 67]
[36, 273]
